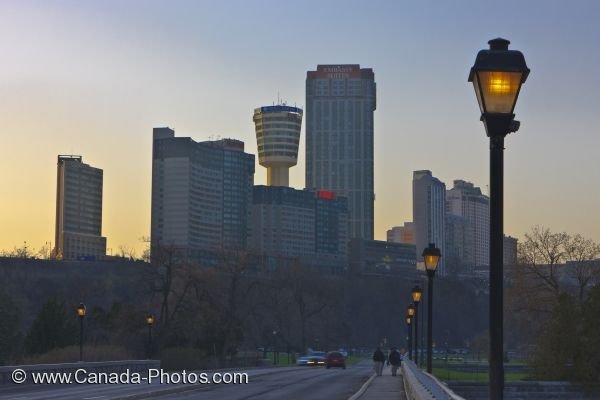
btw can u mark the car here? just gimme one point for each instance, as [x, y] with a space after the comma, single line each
[335, 359]
[314, 359]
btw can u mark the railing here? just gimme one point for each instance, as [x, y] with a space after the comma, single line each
[420, 385]
[140, 366]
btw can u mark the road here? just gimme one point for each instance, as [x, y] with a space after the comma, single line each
[289, 383]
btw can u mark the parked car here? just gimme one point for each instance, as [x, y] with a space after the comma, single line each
[335, 359]
[314, 359]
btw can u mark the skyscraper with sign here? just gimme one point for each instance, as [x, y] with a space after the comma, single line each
[340, 104]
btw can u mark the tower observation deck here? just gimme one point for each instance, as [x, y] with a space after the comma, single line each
[277, 136]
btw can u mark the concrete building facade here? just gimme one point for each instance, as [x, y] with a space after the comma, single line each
[509, 248]
[303, 224]
[429, 214]
[459, 245]
[78, 233]
[340, 105]
[466, 200]
[402, 234]
[381, 258]
[201, 194]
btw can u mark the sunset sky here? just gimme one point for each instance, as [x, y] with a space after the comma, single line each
[94, 77]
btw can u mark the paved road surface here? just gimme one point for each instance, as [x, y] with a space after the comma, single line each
[289, 383]
[305, 383]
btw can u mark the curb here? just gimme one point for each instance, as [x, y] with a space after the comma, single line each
[363, 388]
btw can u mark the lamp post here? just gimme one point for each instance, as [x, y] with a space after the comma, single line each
[497, 76]
[431, 256]
[416, 294]
[81, 315]
[409, 335]
[149, 322]
[410, 311]
[274, 346]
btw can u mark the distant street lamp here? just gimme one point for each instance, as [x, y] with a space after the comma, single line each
[409, 336]
[274, 345]
[431, 256]
[81, 315]
[410, 311]
[416, 294]
[497, 76]
[149, 322]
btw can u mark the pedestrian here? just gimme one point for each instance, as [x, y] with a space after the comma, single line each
[394, 360]
[378, 360]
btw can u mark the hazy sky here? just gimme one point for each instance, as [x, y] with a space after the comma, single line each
[94, 77]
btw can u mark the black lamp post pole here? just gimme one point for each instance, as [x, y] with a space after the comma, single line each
[422, 338]
[429, 319]
[416, 323]
[496, 265]
[80, 338]
[149, 341]
[410, 340]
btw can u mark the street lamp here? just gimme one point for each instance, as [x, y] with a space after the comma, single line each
[81, 315]
[410, 311]
[274, 346]
[149, 322]
[409, 336]
[416, 294]
[497, 76]
[431, 256]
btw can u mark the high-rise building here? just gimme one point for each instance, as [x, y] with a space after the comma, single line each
[429, 214]
[340, 102]
[402, 234]
[466, 200]
[304, 224]
[459, 245]
[277, 136]
[509, 248]
[201, 194]
[381, 258]
[78, 232]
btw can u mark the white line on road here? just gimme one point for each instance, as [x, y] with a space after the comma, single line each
[95, 397]
[362, 390]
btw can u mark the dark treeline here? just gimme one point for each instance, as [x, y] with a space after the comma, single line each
[227, 311]
[219, 311]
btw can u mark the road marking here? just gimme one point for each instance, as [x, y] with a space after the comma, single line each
[363, 389]
[96, 397]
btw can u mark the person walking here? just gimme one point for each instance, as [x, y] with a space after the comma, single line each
[394, 360]
[378, 361]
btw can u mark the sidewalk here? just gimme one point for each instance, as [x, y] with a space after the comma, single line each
[385, 387]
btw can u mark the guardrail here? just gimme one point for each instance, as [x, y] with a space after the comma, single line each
[140, 366]
[420, 385]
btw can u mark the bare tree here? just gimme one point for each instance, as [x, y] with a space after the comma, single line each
[126, 252]
[542, 253]
[19, 252]
[583, 265]
[146, 252]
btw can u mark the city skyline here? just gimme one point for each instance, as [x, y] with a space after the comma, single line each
[94, 79]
